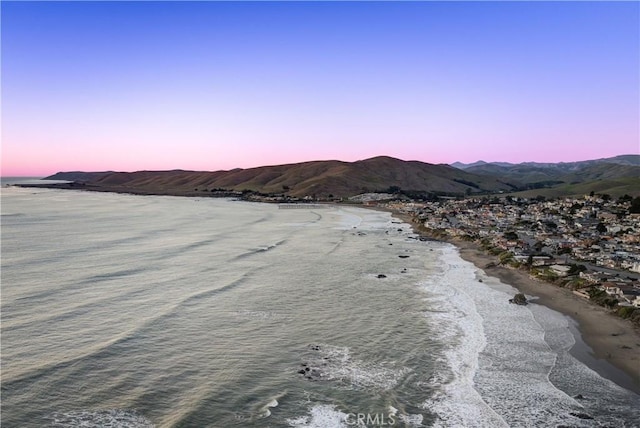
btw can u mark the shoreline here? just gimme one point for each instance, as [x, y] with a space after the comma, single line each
[607, 344]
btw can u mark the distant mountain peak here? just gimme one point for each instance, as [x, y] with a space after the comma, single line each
[461, 165]
[631, 159]
[381, 158]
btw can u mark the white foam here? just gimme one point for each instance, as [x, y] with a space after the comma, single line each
[321, 416]
[513, 377]
[497, 362]
[413, 420]
[578, 379]
[457, 323]
[336, 363]
[265, 410]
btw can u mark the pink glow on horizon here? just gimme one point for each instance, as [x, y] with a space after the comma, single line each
[215, 150]
[293, 82]
[48, 161]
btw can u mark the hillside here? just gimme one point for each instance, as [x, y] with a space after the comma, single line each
[78, 176]
[617, 175]
[337, 179]
[322, 179]
[613, 187]
[633, 160]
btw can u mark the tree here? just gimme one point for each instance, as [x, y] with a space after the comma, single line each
[635, 206]
[511, 235]
[574, 269]
[530, 260]
[601, 228]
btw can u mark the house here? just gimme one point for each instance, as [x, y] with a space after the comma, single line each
[629, 293]
[560, 270]
[541, 260]
[612, 289]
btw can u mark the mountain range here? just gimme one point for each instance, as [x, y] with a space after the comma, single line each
[332, 179]
[632, 160]
[617, 175]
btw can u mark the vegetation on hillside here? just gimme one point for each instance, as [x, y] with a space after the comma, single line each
[329, 180]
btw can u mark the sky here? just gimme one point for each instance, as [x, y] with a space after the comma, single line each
[127, 86]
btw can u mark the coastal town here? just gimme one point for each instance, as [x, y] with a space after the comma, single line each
[590, 245]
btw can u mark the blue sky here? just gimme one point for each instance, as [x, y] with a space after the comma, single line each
[219, 85]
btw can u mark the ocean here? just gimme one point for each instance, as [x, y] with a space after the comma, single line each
[139, 311]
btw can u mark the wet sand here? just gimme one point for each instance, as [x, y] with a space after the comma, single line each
[605, 342]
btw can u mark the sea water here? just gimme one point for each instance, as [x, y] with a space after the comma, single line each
[140, 311]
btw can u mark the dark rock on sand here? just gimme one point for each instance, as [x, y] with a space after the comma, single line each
[519, 299]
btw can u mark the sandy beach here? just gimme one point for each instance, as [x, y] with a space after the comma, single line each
[606, 343]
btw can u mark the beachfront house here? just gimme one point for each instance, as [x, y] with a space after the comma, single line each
[612, 289]
[560, 270]
[629, 294]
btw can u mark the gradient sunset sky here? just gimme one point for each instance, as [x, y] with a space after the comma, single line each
[129, 86]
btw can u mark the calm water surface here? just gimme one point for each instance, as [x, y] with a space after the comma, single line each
[129, 311]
